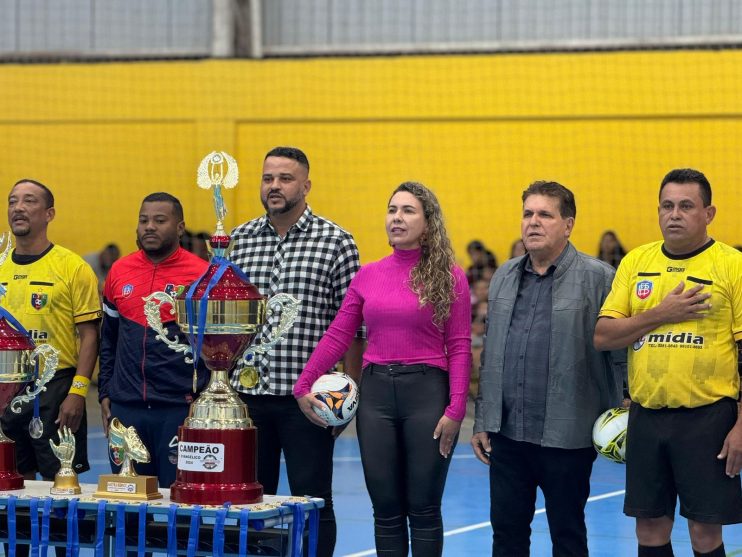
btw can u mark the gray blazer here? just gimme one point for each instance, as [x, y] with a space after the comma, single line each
[582, 381]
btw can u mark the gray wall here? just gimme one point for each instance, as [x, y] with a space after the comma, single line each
[134, 28]
[105, 27]
[325, 26]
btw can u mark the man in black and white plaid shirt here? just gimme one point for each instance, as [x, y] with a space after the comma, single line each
[291, 250]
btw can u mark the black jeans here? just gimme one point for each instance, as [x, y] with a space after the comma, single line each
[307, 450]
[405, 474]
[516, 470]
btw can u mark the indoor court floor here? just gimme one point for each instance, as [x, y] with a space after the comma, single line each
[465, 506]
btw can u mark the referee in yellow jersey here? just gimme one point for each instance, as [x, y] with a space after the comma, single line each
[677, 305]
[53, 293]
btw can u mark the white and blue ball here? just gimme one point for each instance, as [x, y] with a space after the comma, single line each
[338, 394]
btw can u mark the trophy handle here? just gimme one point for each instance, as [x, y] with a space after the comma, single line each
[51, 361]
[5, 240]
[289, 308]
[152, 305]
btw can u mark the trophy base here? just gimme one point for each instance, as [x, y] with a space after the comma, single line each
[131, 488]
[216, 466]
[216, 494]
[10, 479]
[65, 484]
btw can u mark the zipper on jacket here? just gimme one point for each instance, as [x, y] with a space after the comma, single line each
[144, 341]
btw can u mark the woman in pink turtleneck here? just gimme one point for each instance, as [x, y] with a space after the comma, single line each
[415, 304]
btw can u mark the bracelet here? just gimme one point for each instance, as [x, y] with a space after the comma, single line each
[80, 385]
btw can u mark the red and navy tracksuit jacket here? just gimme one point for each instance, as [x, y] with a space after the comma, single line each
[134, 366]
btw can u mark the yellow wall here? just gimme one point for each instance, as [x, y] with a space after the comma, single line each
[477, 129]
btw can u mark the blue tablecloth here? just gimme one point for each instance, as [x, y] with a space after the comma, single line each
[287, 517]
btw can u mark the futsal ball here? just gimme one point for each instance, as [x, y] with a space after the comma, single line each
[338, 394]
[609, 434]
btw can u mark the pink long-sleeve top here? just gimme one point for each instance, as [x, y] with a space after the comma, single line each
[399, 331]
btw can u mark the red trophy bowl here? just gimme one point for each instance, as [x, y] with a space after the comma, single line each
[217, 444]
[18, 355]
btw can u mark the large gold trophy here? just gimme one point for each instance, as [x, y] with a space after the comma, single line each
[221, 314]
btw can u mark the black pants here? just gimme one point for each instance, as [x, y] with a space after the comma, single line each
[516, 470]
[405, 473]
[307, 450]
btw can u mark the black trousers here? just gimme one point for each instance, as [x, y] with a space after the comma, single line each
[307, 450]
[405, 474]
[516, 470]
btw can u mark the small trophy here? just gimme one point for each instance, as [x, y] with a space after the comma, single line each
[65, 481]
[126, 447]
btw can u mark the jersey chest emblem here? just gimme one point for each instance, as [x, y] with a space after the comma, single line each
[38, 301]
[127, 290]
[643, 289]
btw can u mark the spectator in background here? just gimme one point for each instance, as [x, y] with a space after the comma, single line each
[517, 249]
[101, 262]
[186, 241]
[201, 245]
[196, 242]
[479, 291]
[482, 259]
[478, 321]
[610, 249]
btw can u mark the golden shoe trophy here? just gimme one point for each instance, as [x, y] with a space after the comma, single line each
[65, 481]
[221, 314]
[125, 446]
[19, 357]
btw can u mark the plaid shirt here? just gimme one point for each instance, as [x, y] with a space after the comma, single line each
[314, 263]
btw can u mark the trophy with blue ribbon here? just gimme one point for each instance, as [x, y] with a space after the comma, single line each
[221, 314]
[19, 366]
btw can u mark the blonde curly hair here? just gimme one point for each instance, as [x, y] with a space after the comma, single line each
[432, 277]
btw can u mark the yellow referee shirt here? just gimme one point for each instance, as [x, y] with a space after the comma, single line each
[687, 364]
[50, 296]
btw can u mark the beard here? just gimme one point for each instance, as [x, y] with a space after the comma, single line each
[288, 205]
[21, 229]
[165, 247]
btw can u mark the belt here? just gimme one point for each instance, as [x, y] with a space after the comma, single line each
[398, 369]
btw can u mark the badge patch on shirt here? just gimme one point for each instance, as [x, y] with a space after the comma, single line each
[38, 300]
[127, 290]
[169, 288]
[644, 289]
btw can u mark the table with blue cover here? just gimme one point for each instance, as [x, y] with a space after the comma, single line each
[278, 526]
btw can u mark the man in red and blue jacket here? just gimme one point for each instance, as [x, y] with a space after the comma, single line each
[143, 382]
